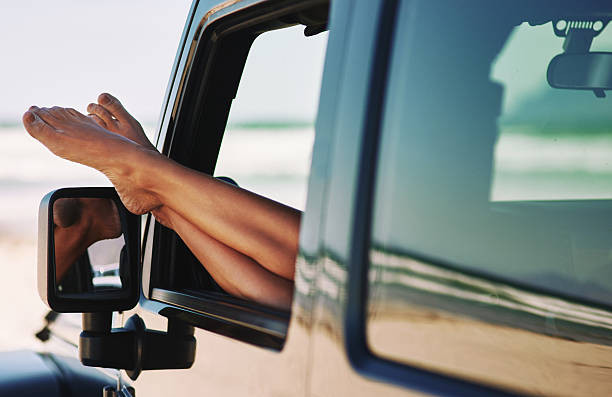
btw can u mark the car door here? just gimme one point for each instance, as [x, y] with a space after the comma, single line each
[244, 348]
[473, 255]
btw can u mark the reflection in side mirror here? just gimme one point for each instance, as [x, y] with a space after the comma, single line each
[588, 71]
[88, 242]
[88, 251]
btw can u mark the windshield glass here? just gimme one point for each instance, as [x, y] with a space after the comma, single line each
[483, 167]
[553, 144]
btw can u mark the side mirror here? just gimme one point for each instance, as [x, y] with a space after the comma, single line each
[88, 251]
[88, 262]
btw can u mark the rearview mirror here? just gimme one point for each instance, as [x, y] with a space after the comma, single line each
[587, 71]
[88, 251]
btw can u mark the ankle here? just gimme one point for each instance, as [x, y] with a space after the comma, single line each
[146, 170]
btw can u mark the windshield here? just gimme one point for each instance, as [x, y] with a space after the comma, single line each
[483, 166]
[553, 144]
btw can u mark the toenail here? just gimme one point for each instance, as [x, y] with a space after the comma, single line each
[30, 117]
[105, 100]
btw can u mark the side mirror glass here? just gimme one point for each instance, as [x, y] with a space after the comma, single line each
[88, 251]
[585, 71]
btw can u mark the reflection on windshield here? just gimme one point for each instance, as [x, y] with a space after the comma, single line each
[553, 144]
[485, 167]
[491, 242]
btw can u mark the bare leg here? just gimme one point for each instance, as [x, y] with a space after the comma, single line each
[235, 272]
[260, 228]
[274, 248]
[252, 226]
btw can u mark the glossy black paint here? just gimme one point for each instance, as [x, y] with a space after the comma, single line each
[134, 347]
[26, 373]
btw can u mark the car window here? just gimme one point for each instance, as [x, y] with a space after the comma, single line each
[267, 143]
[492, 193]
[247, 117]
[553, 144]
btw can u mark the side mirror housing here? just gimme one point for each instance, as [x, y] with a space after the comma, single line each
[88, 251]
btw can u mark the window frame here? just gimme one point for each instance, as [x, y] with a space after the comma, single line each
[208, 71]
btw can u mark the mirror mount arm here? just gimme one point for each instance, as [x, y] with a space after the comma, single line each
[599, 93]
[578, 41]
[579, 32]
[135, 348]
[578, 36]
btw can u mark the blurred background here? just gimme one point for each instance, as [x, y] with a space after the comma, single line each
[67, 52]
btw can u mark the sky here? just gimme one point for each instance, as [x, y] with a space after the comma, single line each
[66, 52]
[281, 78]
[522, 64]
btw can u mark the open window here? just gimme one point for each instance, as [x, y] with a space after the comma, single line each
[244, 109]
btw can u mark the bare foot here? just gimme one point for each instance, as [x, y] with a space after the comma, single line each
[76, 137]
[110, 114]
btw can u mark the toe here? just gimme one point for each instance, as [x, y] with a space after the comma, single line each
[106, 99]
[75, 113]
[29, 117]
[102, 114]
[98, 120]
[36, 125]
[113, 105]
[45, 112]
[47, 115]
[58, 112]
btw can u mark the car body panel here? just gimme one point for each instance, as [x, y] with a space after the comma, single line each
[27, 373]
